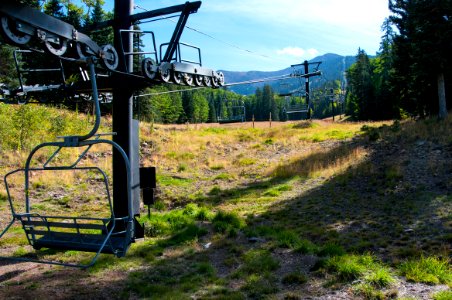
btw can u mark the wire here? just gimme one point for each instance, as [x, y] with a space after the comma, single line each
[169, 92]
[212, 37]
[154, 20]
[274, 78]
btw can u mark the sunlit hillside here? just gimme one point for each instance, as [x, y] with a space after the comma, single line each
[314, 208]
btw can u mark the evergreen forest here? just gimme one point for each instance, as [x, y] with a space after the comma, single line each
[409, 76]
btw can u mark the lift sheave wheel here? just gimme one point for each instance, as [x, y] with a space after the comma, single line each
[110, 57]
[149, 68]
[9, 31]
[56, 46]
[188, 79]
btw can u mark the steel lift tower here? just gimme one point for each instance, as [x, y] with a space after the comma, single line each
[33, 30]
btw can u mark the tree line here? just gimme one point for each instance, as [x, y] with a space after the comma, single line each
[409, 76]
[411, 73]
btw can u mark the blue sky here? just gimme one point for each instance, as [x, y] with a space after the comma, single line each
[277, 32]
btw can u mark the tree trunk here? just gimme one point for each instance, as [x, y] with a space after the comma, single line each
[442, 97]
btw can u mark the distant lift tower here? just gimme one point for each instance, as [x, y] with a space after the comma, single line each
[307, 74]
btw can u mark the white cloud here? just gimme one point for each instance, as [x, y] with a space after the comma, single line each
[350, 14]
[298, 52]
[292, 51]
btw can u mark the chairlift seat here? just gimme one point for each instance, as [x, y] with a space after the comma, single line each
[73, 233]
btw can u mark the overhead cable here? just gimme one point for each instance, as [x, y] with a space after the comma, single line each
[214, 38]
[274, 78]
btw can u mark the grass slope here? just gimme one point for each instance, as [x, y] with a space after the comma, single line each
[351, 210]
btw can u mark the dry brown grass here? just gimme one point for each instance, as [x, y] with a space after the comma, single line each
[321, 162]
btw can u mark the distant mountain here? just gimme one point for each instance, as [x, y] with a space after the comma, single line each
[332, 67]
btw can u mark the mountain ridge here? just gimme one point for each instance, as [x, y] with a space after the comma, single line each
[333, 67]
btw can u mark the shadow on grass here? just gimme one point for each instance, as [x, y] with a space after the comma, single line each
[377, 206]
[389, 204]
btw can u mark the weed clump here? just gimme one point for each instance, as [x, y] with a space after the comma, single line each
[430, 270]
[168, 223]
[443, 295]
[363, 267]
[331, 249]
[372, 133]
[258, 261]
[294, 278]
[227, 222]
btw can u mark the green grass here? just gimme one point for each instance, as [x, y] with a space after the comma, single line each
[223, 176]
[369, 292]
[228, 222]
[443, 295]
[294, 278]
[430, 270]
[3, 198]
[170, 280]
[277, 190]
[259, 261]
[365, 267]
[380, 277]
[167, 223]
[287, 239]
[214, 130]
[19, 252]
[217, 167]
[173, 181]
[258, 286]
[323, 135]
[243, 162]
[331, 249]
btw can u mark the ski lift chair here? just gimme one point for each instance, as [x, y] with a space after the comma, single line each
[25, 92]
[111, 234]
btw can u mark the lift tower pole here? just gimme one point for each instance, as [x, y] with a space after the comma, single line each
[308, 75]
[124, 126]
[306, 71]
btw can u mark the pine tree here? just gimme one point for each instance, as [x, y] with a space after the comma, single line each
[212, 110]
[258, 105]
[54, 8]
[361, 101]
[74, 14]
[422, 60]
[386, 102]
